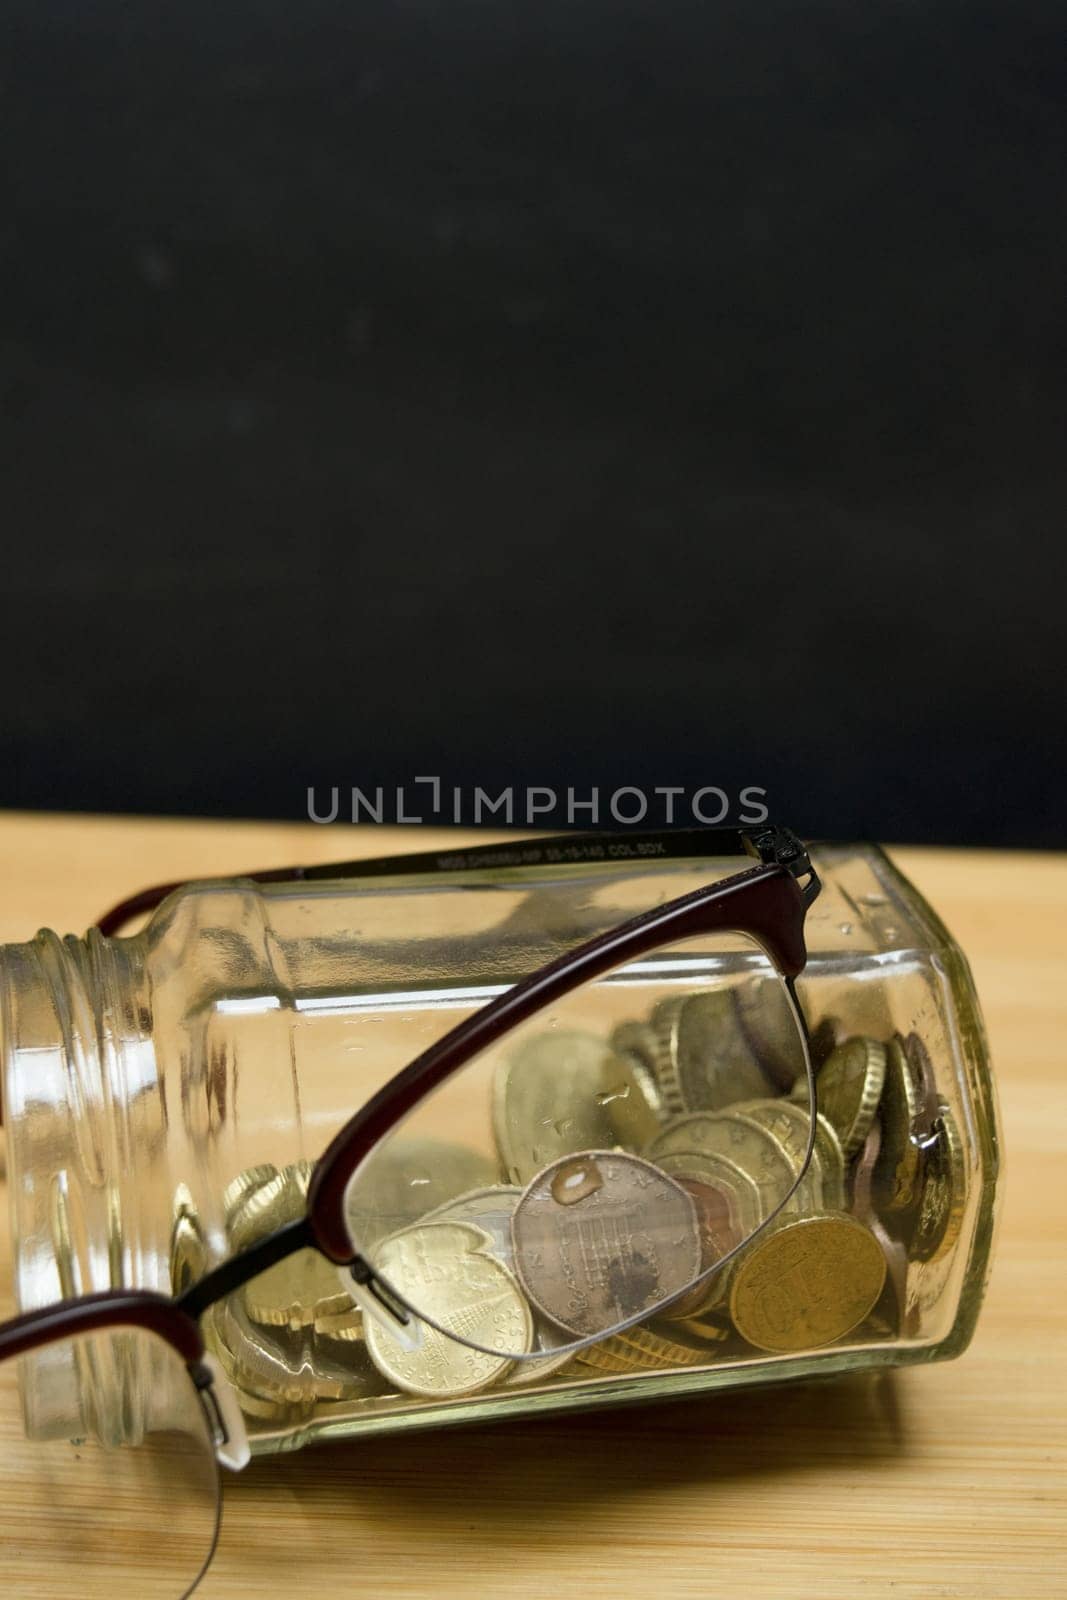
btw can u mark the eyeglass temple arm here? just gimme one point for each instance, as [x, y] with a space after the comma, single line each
[767, 842]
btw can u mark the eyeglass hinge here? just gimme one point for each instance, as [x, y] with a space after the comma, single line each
[781, 847]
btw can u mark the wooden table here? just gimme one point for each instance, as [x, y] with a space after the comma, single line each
[933, 1482]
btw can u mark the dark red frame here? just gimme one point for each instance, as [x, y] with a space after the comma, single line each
[110, 1308]
[768, 902]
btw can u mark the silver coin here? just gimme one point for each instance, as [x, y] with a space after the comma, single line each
[601, 1237]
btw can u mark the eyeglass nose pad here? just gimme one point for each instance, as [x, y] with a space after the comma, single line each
[224, 1414]
[374, 1300]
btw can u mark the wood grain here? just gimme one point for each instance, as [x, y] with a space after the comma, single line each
[936, 1482]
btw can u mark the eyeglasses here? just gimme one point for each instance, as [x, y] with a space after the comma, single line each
[113, 1415]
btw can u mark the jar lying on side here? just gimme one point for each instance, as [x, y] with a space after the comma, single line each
[165, 1097]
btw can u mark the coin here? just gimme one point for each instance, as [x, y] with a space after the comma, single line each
[283, 1364]
[790, 1124]
[707, 1327]
[641, 1350]
[898, 1173]
[943, 1192]
[242, 1185]
[188, 1247]
[731, 1213]
[296, 1291]
[604, 1357]
[767, 1019]
[849, 1088]
[823, 1039]
[636, 1039]
[403, 1178]
[301, 1287]
[806, 1282]
[346, 1326]
[630, 1093]
[549, 1100]
[704, 1060]
[728, 1211]
[446, 1271]
[269, 1204]
[741, 1141]
[664, 1352]
[602, 1236]
[615, 1355]
[304, 1285]
[491, 1209]
[863, 1209]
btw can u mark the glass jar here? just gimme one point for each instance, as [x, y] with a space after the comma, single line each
[163, 1092]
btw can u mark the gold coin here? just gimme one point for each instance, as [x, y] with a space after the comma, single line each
[447, 1271]
[707, 1327]
[604, 1357]
[896, 1256]
[787, 1125]
[767, 1019]
[552, 1096]
[188, 1253]
[243, 1185]
[704, 1060]
[943, 1195]
[264, 1406]
[268, 1205]
[791, 1124]
[898, 1174]
[740, 1190]
[742, 1141]
[630, 1093]
[294, 1293]
[806, 1283]
[261, 1409]
[303, 1286]
[640, 1350]
[346, 1326]
[491, 1209]
[665, 1353]
[849, 1088]
[289, 1366]
[636, 1039]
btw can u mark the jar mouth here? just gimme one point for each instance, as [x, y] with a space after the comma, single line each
[71, 1041]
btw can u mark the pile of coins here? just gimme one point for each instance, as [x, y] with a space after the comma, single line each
[693, 1116]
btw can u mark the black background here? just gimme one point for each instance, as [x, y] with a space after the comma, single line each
[631, 393]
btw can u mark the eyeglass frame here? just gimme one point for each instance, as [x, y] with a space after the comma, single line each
[768, 901]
